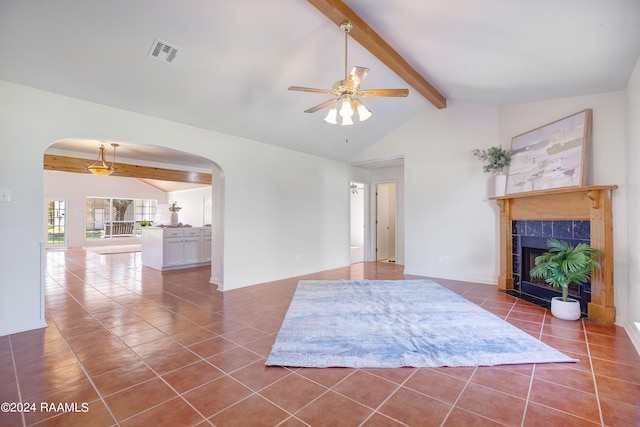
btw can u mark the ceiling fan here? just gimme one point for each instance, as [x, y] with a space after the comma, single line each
[347, 90]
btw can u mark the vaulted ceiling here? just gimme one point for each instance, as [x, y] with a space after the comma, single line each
[237, 58]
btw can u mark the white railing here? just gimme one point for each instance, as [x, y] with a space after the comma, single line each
[119, 229]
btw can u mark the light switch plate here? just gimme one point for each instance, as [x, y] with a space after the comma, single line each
[5, 195]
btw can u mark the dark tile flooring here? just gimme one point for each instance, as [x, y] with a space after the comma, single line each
[127, 345]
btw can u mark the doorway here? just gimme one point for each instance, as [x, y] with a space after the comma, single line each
[357, 225]
[56, 223]
[385, 204]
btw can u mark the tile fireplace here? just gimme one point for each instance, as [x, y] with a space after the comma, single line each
[563, 211]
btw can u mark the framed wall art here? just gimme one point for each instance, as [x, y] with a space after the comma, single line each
[551, 156]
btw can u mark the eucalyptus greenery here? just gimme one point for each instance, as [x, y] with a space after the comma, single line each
[174, 207]
[564, 264]
[496, 158]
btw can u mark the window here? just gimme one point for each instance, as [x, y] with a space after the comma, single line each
[145, 210]
[108, 218]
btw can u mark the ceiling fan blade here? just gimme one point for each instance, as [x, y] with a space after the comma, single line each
[384, 92]
[309, 89]
[358, 74]
[321, 106]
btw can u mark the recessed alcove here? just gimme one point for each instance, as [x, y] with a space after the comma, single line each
[592, 204]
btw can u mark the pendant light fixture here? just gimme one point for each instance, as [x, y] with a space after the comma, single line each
[100, 167]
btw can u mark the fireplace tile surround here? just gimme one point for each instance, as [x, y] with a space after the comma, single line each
[558, 229]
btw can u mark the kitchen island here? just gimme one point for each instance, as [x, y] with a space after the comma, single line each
[172, 248]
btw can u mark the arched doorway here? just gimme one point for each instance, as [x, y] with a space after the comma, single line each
[153, 165]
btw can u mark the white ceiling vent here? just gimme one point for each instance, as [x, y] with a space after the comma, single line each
[163, 51]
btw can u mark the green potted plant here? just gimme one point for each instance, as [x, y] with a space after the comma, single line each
[562, 265]
[496, 159]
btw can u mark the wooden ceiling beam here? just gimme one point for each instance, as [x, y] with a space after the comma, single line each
[77, 165]
[338, 12]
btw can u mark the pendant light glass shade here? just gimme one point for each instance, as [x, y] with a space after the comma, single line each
[100, 170]
[332, 116]
[363, 112]
[347, 109]
[346, 112]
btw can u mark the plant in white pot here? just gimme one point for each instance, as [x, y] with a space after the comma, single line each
[174, 208]
[496, 159]
[562, 265]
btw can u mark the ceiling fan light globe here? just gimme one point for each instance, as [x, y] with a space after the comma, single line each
[332, 116]
[363, 112]
[347, 109]
[346, 121]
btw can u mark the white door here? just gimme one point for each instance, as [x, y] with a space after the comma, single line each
[382, 222]
[56, 222]
[386, 222]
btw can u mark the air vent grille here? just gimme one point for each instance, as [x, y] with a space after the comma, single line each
[163, 51]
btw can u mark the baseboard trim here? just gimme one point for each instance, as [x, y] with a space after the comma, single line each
[634, 334]
[460, 278]
[217, 282]
[38, 325]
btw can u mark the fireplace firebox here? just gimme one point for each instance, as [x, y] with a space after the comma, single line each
[536, 290]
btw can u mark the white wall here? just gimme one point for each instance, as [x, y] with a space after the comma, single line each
[76, 187]
[193, 202]
[285, 213]
[633, 204]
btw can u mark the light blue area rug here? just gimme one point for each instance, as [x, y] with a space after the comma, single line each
[390, 324]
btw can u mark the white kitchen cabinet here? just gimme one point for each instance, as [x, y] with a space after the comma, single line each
[192, 245]
[206, 249]
[169, 248]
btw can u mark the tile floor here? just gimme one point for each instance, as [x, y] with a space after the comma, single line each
[127, 345]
